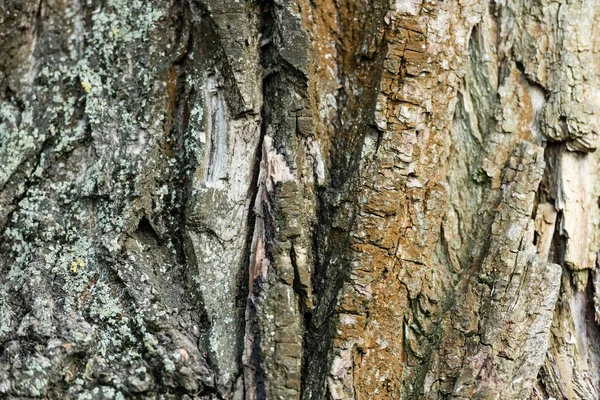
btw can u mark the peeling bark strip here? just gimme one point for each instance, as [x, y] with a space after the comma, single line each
[299, 199]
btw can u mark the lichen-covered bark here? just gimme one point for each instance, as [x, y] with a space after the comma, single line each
[294, 199]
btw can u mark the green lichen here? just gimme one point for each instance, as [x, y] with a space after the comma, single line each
[90, 130]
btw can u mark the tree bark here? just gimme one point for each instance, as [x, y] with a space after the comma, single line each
[309, 199]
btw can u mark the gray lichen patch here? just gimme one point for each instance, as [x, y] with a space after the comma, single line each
[84, 151]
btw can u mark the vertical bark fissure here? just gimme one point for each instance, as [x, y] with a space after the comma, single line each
[254, 361]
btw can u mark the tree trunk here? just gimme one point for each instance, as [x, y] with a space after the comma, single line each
[309, 199]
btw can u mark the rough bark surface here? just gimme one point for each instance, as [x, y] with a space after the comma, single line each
[299, 199]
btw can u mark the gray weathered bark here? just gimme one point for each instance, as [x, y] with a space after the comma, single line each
[278, 199]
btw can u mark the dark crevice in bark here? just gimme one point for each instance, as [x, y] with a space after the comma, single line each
[379, 134]
[180, 95]
[244, 297]
[38, 18]
[357, 68]
[145, 228]
[531, 79]
[540, 387]
[13, 97]
[319, 332]
[592, 327]
[256, 361]
[547, 191]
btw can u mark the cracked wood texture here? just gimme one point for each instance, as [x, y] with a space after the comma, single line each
[299, 199]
